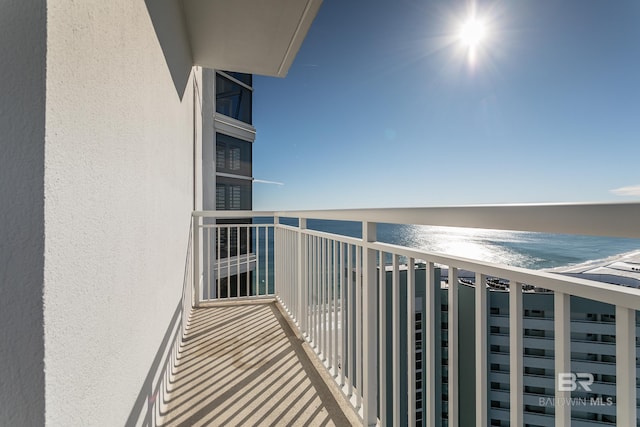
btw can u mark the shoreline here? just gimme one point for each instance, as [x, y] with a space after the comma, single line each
[622, 269]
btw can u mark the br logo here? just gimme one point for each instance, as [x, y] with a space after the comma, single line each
[568, 381]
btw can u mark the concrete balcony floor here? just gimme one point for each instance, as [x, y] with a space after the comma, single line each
[242, 364]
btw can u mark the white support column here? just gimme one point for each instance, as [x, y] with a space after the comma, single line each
[431, 321]
[516, 370]
[453, 347]
[369, 325]
[625, 366]
[481, 350]
[562, 348]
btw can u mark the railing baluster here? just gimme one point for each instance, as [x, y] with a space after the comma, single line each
[302, 283]
[218, 267]
[516, 370]
[238, 252]
[313, 291]
[343, 314]
[293, 271]
[626, 410]
[334, 317]
[369, 324]
[248, 273]
[318, 330]
[291, 257]
[277, 288]
[358, 349]
[228, 261]
[208, 295]
[562, 346]
[452, 351]
[196, 261]
[256, 281]
[350, 326]
[267, 261]
[323, 277]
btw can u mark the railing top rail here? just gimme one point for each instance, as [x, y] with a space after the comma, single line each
[596, 219]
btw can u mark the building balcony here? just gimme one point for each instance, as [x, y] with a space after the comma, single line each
[297, 326]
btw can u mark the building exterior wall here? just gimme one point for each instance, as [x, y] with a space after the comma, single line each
[119, 171]
[592, 352]
[22, 120]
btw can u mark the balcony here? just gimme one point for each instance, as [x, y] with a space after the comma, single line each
[291, 325]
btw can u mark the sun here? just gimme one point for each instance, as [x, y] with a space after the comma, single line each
[472, 32]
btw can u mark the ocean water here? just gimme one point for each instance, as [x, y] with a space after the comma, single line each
[519, 249]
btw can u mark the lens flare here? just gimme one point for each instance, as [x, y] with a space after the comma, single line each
[472, 32]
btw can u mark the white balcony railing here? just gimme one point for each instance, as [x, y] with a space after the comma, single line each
[354, 300]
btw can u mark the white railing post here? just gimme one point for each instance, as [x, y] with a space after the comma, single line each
[302, 283]
[369, 325]
[562, 349]
[481, 350]
[625, 366]
[516, 370]
[195, 298]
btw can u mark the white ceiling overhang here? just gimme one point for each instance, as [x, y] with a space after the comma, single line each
[248, 36]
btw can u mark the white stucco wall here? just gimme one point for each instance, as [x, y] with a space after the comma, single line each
[22, 119]
[118, 197]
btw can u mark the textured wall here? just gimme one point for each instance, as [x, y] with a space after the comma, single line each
[118, 197]
[22, 95]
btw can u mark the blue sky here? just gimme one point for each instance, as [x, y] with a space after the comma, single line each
[382, 107]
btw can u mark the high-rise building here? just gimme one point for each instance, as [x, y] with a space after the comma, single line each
[592, 355]
[231, 183]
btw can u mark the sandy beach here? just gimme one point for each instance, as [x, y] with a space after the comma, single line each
[625, 267]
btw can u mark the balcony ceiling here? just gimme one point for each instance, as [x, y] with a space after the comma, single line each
[249, 36]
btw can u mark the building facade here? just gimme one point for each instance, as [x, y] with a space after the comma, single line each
[592, 356]
[232, 273]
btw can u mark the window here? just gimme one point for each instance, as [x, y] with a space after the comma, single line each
[233, 99]
[233, 194]
[233, 155]
[244, 78]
